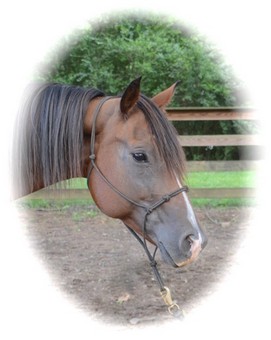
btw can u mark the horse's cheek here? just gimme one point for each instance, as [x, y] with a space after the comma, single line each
[110, 204]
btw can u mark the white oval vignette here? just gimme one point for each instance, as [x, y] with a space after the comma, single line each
[30, 304]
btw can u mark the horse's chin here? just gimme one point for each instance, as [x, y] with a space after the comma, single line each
[166, 256]
[173, 262]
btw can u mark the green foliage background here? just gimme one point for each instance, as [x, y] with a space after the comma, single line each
[109, 54]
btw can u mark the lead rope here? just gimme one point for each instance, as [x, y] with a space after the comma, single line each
[173, 308]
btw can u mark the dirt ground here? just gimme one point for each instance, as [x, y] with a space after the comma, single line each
[98, 264]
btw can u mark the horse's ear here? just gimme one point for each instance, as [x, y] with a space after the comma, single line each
[162, 99]
[130, 97]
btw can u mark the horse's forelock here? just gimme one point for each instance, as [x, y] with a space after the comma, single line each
[165, 136]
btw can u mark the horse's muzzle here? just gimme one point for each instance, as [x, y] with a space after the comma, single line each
[189, 250]
[195, 247]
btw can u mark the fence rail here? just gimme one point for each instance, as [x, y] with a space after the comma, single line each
[221, 113]
[220, 140]
[196, 166]
[210, 113]
[195, 114]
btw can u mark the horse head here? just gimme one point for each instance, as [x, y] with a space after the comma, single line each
[135, 171]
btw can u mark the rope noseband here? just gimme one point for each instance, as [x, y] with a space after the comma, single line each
[173, 308]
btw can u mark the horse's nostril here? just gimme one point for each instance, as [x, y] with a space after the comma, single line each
[186, 243]
[191, 238]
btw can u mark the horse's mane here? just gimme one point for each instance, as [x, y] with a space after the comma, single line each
[49, 135]
[48, 143]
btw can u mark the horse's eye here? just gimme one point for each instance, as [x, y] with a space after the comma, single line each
[140, 157]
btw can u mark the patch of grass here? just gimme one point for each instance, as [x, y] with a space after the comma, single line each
[224, 202]
[74, 183]
[56, 204]
[82, 215]
[223, 179]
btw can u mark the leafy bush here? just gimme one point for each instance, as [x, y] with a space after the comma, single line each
[109, 54]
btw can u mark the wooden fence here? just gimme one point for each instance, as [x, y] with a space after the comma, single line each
[210, 114]
[195, 114]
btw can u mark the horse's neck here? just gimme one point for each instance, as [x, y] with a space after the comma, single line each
[88, 121]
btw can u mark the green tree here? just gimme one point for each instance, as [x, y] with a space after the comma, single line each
[111, 53]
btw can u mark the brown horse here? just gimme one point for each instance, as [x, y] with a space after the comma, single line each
[124, 146]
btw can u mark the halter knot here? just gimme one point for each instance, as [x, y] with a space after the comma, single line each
[149, 211]
[166, 198]
[153, 263]
[92, 157]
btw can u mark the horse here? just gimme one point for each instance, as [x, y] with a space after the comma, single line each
[126, 148]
